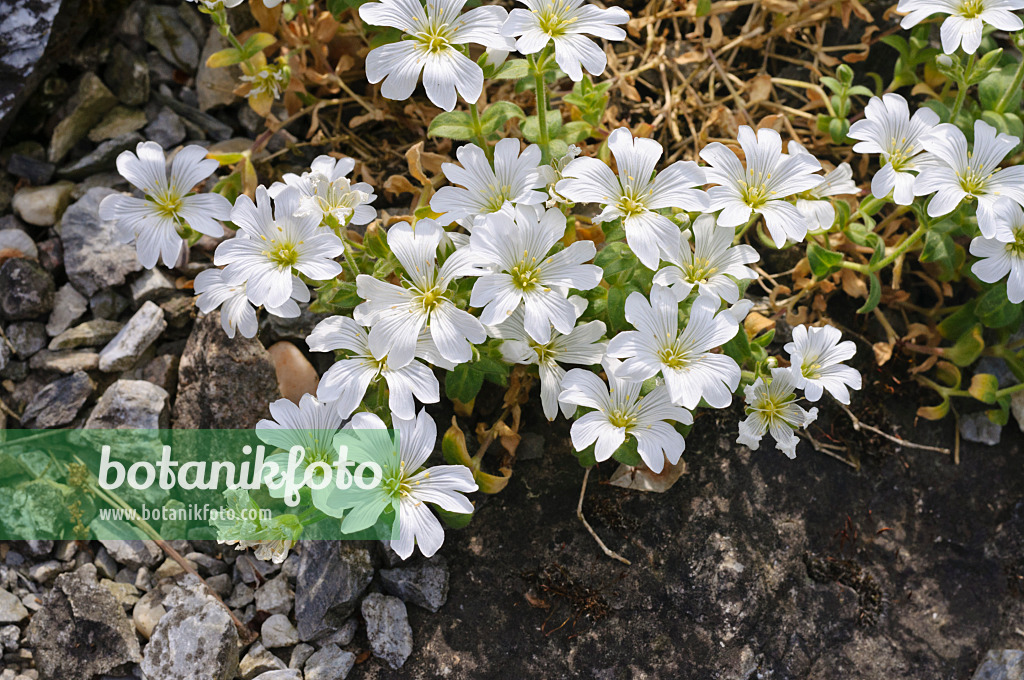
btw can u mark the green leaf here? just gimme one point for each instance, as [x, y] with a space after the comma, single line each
[615, 258]
[995, 85]
[1007, 123]
[513, 69]
[937, 412]
[557, 148]
[984, 387]
[576, 131]
[738, 348]
[497, 114]
[958, 323]
[966, 350]
[463, 383]
[335, 296]
[454, 520]
[257, 42]
[452, 125]
[822, 262]
[627, 454]
[940, 250]
[703, 8]
[617, 308]
[995, 310]
[225, 57]
[874, 294]
[531, 127]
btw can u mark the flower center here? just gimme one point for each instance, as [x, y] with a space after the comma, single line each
[621, 418]
[524, 275]
[395, 483]
[544, 353]
[552, 18]
[973, 183]
[430, 299]
[284, 255]
[700, 270]
[168, 203]
[755, 193]
[970, 9]
[497, 198]
[898, 154]
[673, 357]
[810, 368]
[631, 205]
[1016, 247]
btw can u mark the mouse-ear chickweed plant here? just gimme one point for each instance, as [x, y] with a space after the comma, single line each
[561, 247]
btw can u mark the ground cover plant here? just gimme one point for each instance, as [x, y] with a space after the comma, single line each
[554, 247]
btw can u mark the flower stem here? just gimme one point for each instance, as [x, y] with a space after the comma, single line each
[1018, 78]
[537, 65]
[961, 90]
[478, 131]
[900, 249]
[349, 258]
[742, 232]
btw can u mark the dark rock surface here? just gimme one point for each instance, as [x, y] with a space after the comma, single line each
[332, 575]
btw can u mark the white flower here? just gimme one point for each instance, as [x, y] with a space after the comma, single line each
[966, 20]
[397, 314]
[156, 223]
[888, 129]
[269, 80]
[432, 48]
[636, 193]
[566, 23]
[312, 425]
[770, 176]
[772, 408]
[815, 355]
[581, 346]
[524, 271]
[1004, 253]
[326, 191]
[814, 203]
[621, 412]
[270, 245]
[346, 381]
[514, 179]
[971, 174]
[714, 265]
[406, 486]
[692, 372]
[213, 5]
[237, 312]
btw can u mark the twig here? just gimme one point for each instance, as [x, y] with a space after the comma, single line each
[579, 513]
[858, 426]
[827, 449]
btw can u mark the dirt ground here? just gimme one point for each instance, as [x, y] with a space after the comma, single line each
[751, 566]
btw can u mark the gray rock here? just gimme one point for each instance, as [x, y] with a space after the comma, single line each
[196, 640]
[10, 637]
[343, 636]
[106, 304]
[26, 337]
[105, 565]
[139, 333]
[220, 584]
[278, 631]
[81, 630]
[167, 129]
[1017, 408]
[274, 596]
[223, 382]
[44, 572]
[1001, 664]
[89, 334]
[11, 608]
[332, 576]
[5, 357]
[35, 509]
[152, 284]
[215, 128]
[127, 75]
[65, 361]
[424, 585]
[119, 121]
[130, 404]
[162, 371]
[16, 243]
[976, 427]
[103, 158]
[134, 554]
[35, 170]
[387, 628]
[59, 402]
[87, 107]
[68, 306]
[26, 289]
[259, 660]
[42, 206]
[300, 653]
[241, 596]
[165, 31]
[329, 663]
[280, 675]
[93, 256]
[216, 85]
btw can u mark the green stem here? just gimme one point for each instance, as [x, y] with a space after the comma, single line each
[478, 131]
[961, 90]
[349, 258]
[1018, 78]
[746, 227]
[537, 66]
[903, 247]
